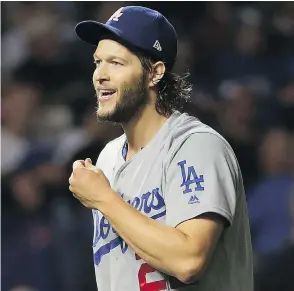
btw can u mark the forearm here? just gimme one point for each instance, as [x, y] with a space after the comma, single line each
[161, 246]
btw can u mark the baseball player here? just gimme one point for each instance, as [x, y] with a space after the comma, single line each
[167, 196]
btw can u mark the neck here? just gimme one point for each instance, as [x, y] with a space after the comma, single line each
[142, 129]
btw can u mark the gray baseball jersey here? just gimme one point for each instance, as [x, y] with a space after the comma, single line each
[187, 169]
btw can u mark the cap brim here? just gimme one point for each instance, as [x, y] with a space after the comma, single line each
[92, 32]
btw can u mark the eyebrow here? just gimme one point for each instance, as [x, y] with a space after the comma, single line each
[110, 57]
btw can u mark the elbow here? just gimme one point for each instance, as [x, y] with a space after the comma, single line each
[190, 271]
[188, 276]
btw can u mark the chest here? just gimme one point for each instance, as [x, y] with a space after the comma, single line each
[139, 183]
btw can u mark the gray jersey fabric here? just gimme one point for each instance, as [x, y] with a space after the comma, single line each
[186, 170]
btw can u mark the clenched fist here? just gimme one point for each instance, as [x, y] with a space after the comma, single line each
[88, 183]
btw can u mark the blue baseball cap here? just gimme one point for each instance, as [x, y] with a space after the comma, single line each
[140, 27]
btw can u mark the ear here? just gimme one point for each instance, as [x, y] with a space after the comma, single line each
[158, 70]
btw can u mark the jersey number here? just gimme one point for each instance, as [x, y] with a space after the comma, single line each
[157, 285]
[149, 286]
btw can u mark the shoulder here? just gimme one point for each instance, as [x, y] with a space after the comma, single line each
[206, 153]
[191, 135]
[201, 145]
[206, 147]
[207, 143]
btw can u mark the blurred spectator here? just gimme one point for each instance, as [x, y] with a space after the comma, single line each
[41, 219]
[236, 117]
[277, 269]
[50, 64]
[214, 31]
[27, 252]
[19, 105]
[24, 19]
[22, 288]
[210, 35]
[269, 199]
[186, 55]
[283, 29]
[285, 106]
[246, 59]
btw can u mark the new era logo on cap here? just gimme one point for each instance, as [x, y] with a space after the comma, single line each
[157, 46]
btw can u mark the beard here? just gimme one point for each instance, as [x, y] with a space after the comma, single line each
[132, 101]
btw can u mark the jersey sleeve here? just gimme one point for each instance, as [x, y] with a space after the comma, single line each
[201, 177]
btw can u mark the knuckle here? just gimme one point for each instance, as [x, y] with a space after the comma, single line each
[76, 170]
[77, 164]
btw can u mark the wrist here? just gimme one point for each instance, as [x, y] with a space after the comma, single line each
[107, 199]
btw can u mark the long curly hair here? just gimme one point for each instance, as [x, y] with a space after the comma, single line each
[174, 90]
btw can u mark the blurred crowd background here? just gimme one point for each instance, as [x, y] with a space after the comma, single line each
[240, 56]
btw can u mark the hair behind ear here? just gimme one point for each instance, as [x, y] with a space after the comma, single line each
[174, 90]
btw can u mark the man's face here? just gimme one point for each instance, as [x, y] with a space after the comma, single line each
[119, 82]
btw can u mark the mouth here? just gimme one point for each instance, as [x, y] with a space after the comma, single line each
[105, 95]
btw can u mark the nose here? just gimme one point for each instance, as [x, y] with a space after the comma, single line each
[101, 74]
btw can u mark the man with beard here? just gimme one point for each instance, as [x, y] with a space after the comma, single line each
[167, 196]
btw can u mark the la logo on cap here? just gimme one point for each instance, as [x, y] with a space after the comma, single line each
[116, 15]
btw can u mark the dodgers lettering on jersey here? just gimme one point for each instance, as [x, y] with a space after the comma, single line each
[148, 203]
[187, 169]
